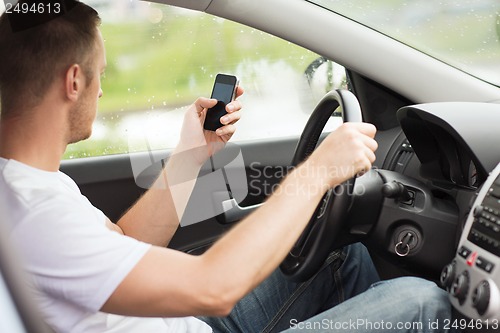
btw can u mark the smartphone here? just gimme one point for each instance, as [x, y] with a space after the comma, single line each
[224, 91]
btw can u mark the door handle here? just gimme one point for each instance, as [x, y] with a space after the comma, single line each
[234, 212]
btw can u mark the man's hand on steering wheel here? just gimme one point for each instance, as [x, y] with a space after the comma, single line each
[346, 152]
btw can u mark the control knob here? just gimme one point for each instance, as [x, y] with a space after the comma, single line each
[448, 275]
[478, 211]
[460, 287]
[481, 297]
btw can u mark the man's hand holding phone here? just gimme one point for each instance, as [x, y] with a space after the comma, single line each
[194, 135]
[224, 91]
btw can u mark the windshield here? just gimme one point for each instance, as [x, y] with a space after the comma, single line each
[462, 33]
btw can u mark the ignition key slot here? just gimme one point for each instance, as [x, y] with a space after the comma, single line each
[406, 241]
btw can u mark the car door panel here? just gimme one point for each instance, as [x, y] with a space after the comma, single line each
[109, 183]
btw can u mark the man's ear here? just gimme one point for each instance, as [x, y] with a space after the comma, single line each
[74, 82]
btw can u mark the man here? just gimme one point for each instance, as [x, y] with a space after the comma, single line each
[85, 268]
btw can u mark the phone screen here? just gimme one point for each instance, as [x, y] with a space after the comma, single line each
[223, 92]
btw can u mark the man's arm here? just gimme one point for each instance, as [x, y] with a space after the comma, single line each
[154, 218]
[169, 283]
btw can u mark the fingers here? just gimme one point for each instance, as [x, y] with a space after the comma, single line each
[362, 131]
[226, 130]
[233, 106]
[350, 149]
[228, 120]
[365, 128]
[364, 161]
[370, 144]
[203, 103]
[233, 113]
[239, 91]
[363, 146]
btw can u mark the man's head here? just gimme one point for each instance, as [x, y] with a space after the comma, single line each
[66, 51]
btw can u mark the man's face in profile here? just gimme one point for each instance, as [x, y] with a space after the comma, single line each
[83, 114]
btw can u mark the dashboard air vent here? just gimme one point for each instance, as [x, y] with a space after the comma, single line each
[402, 156]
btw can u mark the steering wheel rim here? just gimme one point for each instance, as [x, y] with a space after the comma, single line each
[315, 243]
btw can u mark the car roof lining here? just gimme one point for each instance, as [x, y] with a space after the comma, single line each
[199, 5]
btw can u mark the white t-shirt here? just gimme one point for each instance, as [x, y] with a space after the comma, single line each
[75, 261]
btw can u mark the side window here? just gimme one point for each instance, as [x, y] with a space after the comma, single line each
[160, 59]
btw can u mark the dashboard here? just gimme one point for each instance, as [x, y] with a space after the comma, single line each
[472, 279]
[439, 159]
[454, 142]
[458, 151]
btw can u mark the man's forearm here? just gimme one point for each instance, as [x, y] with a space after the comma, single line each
[232, 267]
[155, 216]
[263, 239]
[170, 280]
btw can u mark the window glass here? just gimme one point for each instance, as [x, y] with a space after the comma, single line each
[462, 33]
[161, 58]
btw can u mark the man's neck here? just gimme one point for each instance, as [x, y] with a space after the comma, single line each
[33, 140]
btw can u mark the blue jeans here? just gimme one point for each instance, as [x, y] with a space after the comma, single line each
[319, 304]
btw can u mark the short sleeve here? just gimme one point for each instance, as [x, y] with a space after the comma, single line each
[72, 255]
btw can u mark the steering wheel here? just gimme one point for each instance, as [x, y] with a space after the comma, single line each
[318, 238]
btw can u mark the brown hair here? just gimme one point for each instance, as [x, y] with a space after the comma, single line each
[33, 55]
